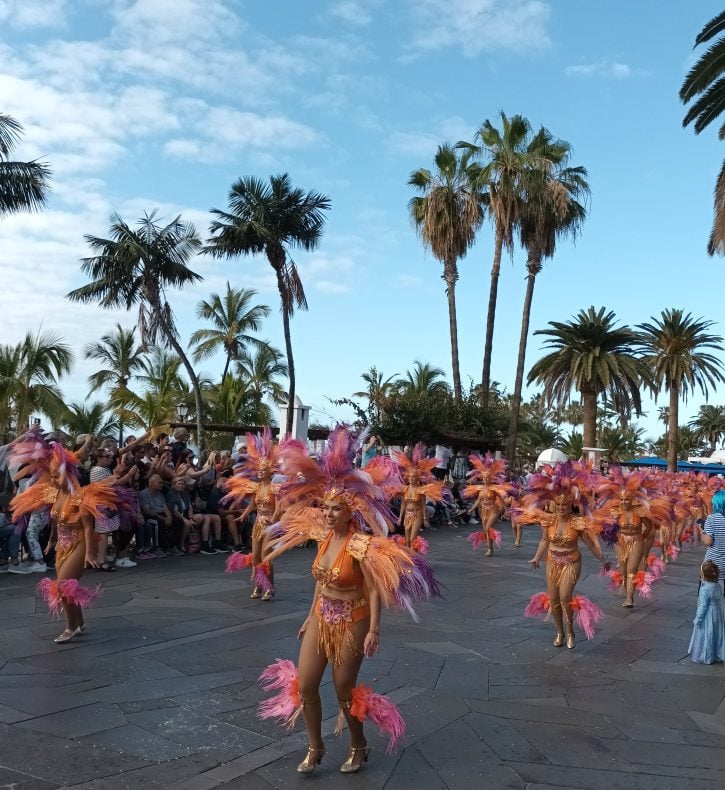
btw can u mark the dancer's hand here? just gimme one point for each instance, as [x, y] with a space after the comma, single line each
[91, 561]
[303, 628]
[607, 566]
[371, 645]
[534, 563]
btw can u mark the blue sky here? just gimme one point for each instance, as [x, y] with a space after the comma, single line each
[163, 103]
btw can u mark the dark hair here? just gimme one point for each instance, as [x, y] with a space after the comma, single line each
[710, 571]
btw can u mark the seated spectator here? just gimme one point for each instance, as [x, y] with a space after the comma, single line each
[157, 517]
[214, 509]
[10, 548]
[207, 524]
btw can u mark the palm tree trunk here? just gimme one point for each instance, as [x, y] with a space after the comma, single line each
[589, 417]
[672, 428]
[450, 276]
[226, 368]
[491, 318]
[519, 383]
[290, 372]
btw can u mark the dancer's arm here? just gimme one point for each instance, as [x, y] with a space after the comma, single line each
[90, 540]
[304, 625]
[372, 638]
[541, 549]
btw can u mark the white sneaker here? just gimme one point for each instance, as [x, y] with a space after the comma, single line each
[124, 562]
[38, 567]
[22, 569]
[473, 521]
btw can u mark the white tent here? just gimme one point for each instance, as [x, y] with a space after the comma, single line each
[551, 456]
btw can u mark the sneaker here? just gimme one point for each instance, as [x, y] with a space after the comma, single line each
[4, 567]
[159, 553]
[38, 567]
[22, 569]
[239, 548]
[146, 555]
[207, 548]
[175, 552]
[125, 562]
[473, 521]
[221, 547]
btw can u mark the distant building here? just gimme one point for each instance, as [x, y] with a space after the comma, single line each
[300, 420]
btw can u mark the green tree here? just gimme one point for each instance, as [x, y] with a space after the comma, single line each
[704, 89]
[506, 159]
[262, 370]
[121, 359]
[378, 388]
[676, 350]
[135, 266]
[29, 373]
[593, 356]
[573, 446]
[573, 413]
[423, 378]
[24, 186]
[80, 418]
[447, 214]
[709, 425]
[272, 219]
[553, 205]
[233, 317]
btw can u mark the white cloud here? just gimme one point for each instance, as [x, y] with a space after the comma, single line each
[408, 281]
[32, 13]
[330, 287]
[476, 26]
[421, 145]
[357, 13]
[606, 68]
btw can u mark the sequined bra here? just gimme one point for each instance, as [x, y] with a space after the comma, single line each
[344, 574]
[567, 540]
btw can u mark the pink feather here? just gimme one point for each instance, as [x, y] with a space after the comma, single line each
[385, 715]
[495, 536]
[655, 565]
[238, 562]
[673, 552]
[538, 605]
[586, 614]
[287, 704]
[420, 545]
[476, 539]
[260, 577]
[68, 590]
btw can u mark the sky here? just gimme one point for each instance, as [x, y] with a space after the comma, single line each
[162, 104]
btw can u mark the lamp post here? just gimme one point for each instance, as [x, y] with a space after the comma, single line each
[182, 410]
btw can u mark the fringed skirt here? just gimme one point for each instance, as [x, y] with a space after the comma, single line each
[260, 525]
[562, 565]
[628, 543]
[69, 536]
[413, 518]
[335, 618]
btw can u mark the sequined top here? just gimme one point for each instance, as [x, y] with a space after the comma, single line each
[566, 539]
[344, 574]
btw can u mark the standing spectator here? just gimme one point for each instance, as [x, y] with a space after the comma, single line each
[707, 644]
[443, 456]
[371, 449]
[156, 513]
[177, 447]
[217, 514]
[712, 533]
[108, 523]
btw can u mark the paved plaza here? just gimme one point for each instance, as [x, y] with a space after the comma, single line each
[161, 691]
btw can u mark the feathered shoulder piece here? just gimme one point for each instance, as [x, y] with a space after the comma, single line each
[417, 469]
[486, 469]
[298, 525]
[35, 457]
[334, 476]
[87, 501]
[573, 480]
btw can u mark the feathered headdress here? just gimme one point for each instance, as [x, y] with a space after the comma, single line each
[573, 480]
[35, 457]
[486, 469]
[640, 485]
[262, 455]
[335, 477]
[418, 467]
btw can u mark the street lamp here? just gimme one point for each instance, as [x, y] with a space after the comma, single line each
[182, 410]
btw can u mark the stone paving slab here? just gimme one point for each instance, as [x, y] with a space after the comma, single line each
[161, 691]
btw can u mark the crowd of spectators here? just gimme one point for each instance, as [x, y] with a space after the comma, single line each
[175, 507]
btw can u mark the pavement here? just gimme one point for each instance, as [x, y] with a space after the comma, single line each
[161, 691]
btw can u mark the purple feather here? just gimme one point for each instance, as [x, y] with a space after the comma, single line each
[420, 584]
[609, 533]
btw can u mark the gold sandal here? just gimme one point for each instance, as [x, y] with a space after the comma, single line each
[312, 759]
[352, 765]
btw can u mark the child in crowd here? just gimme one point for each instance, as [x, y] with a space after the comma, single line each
[707, 645]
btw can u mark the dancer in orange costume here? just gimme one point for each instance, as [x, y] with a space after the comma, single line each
[420, 485]
[54, 483]
[491, 494]
[357, 570]
[564, 487]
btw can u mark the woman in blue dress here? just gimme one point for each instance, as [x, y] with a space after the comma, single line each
[707, 645]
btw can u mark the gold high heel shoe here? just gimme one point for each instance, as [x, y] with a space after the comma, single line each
[570, 641]
[559, 641]
[312, 759]
[353, 764]
[256, 593]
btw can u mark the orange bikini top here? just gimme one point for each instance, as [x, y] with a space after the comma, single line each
[565, 539]
[344, 574]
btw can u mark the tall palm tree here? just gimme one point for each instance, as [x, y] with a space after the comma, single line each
[573, 413]
[121, 359]
[709, 425]
[24, 186]
[92, 418]
[135, 267]
[29, 374]
[447, 214]
[593, 356]
[379, 387]
[553, 204]
[676, 350]
[272, 218]
[423, 379]
[233, 317]
[261, 372]
[506, 159]
[704, 85]
[161, 373]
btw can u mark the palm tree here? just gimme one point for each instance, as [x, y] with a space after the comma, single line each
[423, 380]
[507, 158]
[378, 389]
[622, 443]
[272, 219]
[704, 84]
[233, 317]
[552, 206]
[80, 418]
[709, 425]
[261, 372]
[161, 373]
[447, 215]
[24, 186]
[593, 356]
[676, 350]
[573, 413]
[122, 360]
[573, 446]
[135, 267]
